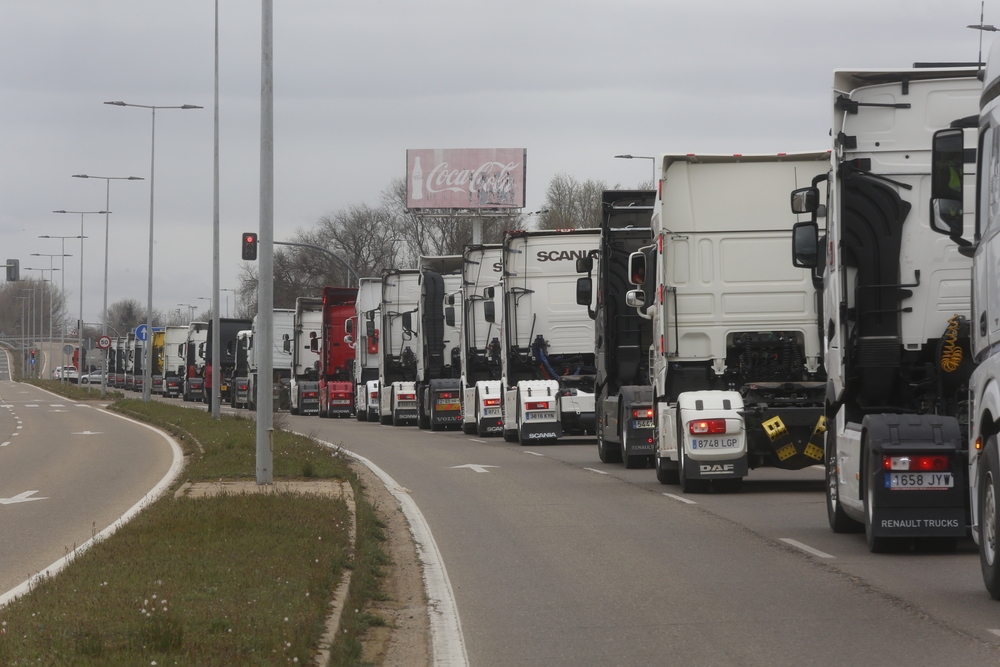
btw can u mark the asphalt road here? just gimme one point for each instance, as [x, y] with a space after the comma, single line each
[67, 471]
[558, 559]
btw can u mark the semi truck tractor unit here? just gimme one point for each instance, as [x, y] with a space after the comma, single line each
[239, 384]
[623, 399]
[895, 308]
[283, 326]
[399, 346]
[481, 389]
[174, 338]
[364, 333]
[229, 329]
[547, 347]
[304, 347]
[336, 390]
[194, 364]
[735, 355]
[158, 337]
[438, 384]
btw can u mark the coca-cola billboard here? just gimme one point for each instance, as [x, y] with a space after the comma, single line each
[465, 178]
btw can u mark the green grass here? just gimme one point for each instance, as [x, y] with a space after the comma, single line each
[77, 393]
[238, 579]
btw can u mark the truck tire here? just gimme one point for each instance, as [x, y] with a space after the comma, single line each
[361, 415]
[423, 419]
[839, 521]
[385, 420]
[688, 485]
[877, 544]
[989, 477]
[665, 473]
[608, 452]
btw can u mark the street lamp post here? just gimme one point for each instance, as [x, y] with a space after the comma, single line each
[226, 289]
[41, 305]
[148, 365]
[51, 298]
[641, 157]
[62, 290]
[104, 312]
[23, 348]
[79, 327]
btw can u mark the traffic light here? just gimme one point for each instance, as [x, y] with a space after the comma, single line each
[249, 246]
[13, 270]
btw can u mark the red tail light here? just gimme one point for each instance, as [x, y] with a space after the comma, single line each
[341, 394]
[309, 394]
[374, 395]
[643, 413]
[539, 405]
[407, 397]
[933, 463]
[491, 402]
[447, 394]
[707, 426]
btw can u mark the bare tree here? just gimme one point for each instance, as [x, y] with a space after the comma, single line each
[572, 204]
[125, 315]
[35, 299]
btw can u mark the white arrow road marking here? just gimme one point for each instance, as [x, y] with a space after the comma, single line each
[87, 433]
[680, 498]
[599, 472]
[20, 498]
[476, 467]
[533, 453]
[806, 548]
[5, 444]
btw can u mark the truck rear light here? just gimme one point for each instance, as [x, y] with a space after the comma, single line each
[703, 426]
[341, 394]
[406, 397]
[491, 402]
[447, 394]
[933, 463]
[537, 405]
[309, 394]
[374, 395]
[643, 413]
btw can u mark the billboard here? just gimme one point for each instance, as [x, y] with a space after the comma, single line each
[465, 178]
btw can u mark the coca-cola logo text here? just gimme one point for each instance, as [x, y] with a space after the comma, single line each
[492, 183]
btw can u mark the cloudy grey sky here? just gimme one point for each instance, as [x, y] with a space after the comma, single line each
[357, 83]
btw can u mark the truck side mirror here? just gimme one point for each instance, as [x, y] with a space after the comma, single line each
[805, 200]
[349, 326]
[450, 299]
[805, 245]
[637, 268]
[180, 350]
[584, 289]
[407, 322]
[369, 328]
[584, 265]
[635, 298]
[449, 315]
[286, 344]
[313, 341]
[947, 186]
[489, 292]
[489, 311]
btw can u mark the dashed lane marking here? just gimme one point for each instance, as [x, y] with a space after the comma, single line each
[599, 472]
[680, 498]
[806, 548]
[533, 453]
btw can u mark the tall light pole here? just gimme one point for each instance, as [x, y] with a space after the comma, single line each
[79, 327]
[24, 350]
[62, 290]
[226, 289]
[52, 276]
[190, 311]
[147, 373]
[104, 311]
[641, 157]
[41, 306]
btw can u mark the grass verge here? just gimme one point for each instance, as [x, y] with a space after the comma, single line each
[75, 392]
[237, 579]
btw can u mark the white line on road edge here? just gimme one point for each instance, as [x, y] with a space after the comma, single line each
[996, 632]
[474, 440]
[599, 472]
[806, 548]
[533, 453]
[447, 641]
[172, 474]
[680, 498]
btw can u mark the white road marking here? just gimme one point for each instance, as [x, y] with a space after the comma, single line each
[474, 440]
[448, 643]
[19, 426]
[996, 632]
[475, 466]
[31, 405]
[680, 498]
[20, 498]
[533, 453]
[599, 472]
[806, 548]
[56, 405]
[87, 433]
[5, 444]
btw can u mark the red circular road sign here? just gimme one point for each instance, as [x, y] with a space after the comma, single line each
[104, 342]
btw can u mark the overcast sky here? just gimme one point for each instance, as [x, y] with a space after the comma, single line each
[358, 83]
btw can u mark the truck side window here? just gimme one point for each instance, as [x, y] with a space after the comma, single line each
[989, 182]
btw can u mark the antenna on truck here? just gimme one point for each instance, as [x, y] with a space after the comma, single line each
[982, 27]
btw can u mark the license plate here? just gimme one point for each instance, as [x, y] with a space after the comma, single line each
[714, 443]
[921, 481]
[540, 415]
[491, 412]
[403, 405]
[642, 423]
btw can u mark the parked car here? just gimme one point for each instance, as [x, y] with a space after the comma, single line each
[93, 377]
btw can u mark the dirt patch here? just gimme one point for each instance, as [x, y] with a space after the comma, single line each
[405, 640]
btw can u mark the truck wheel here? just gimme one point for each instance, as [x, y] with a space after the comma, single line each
[877, 544]
[989, 477]
[688, 485]
[423, 420]
[385, 420]
[839, 521]
[665, 472]
[608, 452]
[361, 415]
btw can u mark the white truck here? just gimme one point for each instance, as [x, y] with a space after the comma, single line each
[735, 360]
[174, 338]
[952, 201]
[439, 365]
[283, 323]
[365, 340]
[194, 363]
[547, 346]
[303, 344]
[481, 389]
[399, 346]
[895, 310]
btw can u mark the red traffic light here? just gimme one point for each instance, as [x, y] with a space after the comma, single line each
[249, 246]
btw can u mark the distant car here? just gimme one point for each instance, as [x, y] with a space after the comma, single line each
[56, 372]
[94, 377]
[69, 373]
